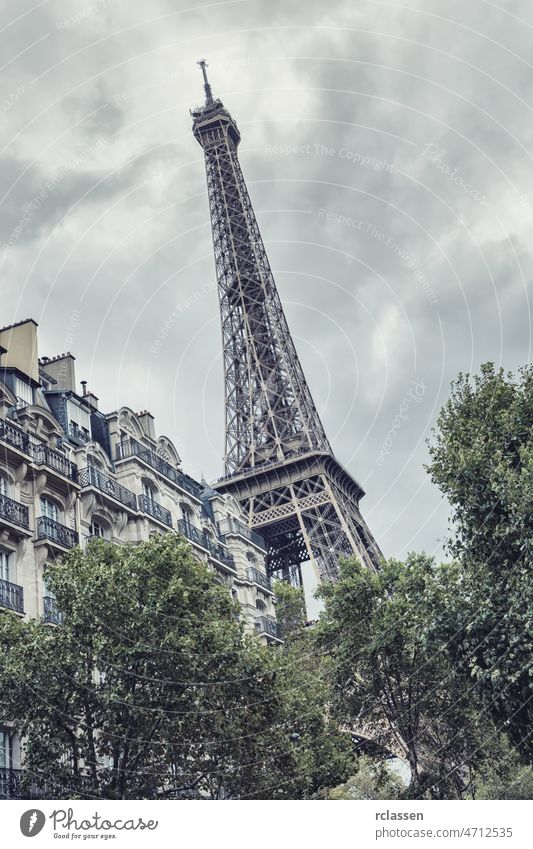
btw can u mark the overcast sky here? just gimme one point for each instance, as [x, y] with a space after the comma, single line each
[387, 150]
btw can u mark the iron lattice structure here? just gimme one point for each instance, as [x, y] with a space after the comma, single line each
[278, 462]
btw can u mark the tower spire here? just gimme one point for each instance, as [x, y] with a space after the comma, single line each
[207, 87]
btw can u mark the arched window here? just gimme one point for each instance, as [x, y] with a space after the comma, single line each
[93, 462]
[99, 528]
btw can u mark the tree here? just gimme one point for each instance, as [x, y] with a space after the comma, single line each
[149, 688]
[323, 750]
[374, 779]
[394, 682]
[482, 460]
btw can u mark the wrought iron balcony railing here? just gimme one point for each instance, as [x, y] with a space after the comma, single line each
[231, 525]
[268, 626]
[11, 596]
[132, 448]
[56, 532]
[259, 578]
[148, 505]
[14, 435]
[91, 537]
[78, 434]
[90, 476]
[55, 460]
[11, 786]
[51, 612]
[201, 538]
[10, 783]
[219, 552]
[191, 532]
[14, 512]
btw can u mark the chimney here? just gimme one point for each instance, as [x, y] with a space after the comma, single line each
[147, 422]
[62, 369]
[91, 399]
[20, 341]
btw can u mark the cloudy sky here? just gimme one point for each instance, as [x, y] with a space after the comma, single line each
[387, 149]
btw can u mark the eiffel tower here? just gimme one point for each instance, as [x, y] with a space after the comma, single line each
[279, 464]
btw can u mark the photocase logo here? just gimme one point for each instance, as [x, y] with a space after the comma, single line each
[32, 822]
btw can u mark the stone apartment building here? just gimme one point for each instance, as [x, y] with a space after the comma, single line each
[70, 472]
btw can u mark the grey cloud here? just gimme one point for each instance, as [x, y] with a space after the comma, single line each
[306, 74]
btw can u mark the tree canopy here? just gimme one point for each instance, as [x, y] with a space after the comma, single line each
[482, 460]
[149, 688]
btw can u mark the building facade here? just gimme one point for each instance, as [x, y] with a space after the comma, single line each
[70, 472]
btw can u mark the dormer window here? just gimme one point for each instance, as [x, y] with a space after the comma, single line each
[24, 392]
[79, 422]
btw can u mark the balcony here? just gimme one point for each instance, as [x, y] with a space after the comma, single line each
[132, 448]
[266, 626]
[11, 596]
[217, 551]
[233, 526]
[191, 532]
[13, 512]
[51, 613]
[45, 456]
[78, 434]
[259, 578]
[14, 436]
[10, 783]
[90, 476]
[56, 533]
[148, 505]
[92, 537]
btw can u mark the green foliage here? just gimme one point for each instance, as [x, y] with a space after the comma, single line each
[374, 779]
[383, 632]
[323, 751]
[482, 460]
[290, 609]
[151, 672]
[503, 775]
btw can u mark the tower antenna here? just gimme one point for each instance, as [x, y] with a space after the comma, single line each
[207, 87]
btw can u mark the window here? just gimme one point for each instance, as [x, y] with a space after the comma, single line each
[97, 529]
[47, 592]
[24, 392]
[49, 509]
[187, 513]
[149, 491]
[5, 750]
[4, 566]
[79, 418]
[251, 557]
[4, 485]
